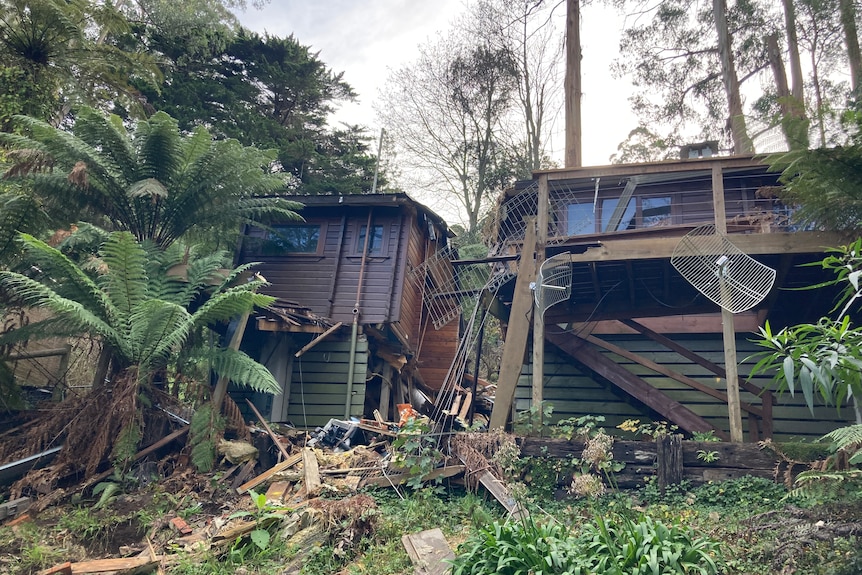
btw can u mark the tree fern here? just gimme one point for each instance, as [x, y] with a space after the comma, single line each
[152, 181]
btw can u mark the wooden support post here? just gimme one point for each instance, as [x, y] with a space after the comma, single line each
[386, 391]
[221, 386]
[669, 468]
[516, 334]
[538, 395]
[733, 410]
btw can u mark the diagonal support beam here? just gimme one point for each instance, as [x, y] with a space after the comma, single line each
[520, 319]
[630, 383]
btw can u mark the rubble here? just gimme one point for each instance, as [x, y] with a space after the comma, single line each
[284, 500]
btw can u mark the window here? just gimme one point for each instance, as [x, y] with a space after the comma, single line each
[282, 239]
[624, 221]
[580, 219]
[656, 212]
[375, 242]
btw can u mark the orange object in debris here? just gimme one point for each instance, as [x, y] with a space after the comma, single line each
[406, 413]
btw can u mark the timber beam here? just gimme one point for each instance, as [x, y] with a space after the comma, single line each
[751, 244]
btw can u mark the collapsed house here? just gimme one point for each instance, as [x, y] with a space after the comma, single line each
[349, 332]
[639, 289]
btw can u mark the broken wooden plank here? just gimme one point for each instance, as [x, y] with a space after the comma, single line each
[498, 489]
[126, 566]
[311, 470]
[12, 508]
[398, 479]
[61, 569]
[268, 429]
[429, 551]
[243, 474]
[252, 483]
[276, 491]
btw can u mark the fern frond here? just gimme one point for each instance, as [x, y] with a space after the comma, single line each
[66, 278]
[158, 330]
[229, 304]
[846, 438]
[242, 370]
[126, 281]
[34, 294]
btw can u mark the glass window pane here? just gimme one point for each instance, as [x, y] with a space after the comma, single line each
[656, 212]
[580, 219]
[627, 222]
[300, 238]
[375, 242]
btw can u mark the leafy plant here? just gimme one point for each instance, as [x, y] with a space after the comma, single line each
[415, 451]
[653, 430]
[264, 515]
[707, 456]
[534, 420]
[840, 479]
[619, 545]
[519, 547]
[583, 426]
[825, 358]
[704, 436]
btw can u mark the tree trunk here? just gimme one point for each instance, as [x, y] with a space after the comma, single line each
[736, 120]
[851, 38]
[793, 121]
[573, 85]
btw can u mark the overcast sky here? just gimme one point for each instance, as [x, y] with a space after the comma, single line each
[362, 38]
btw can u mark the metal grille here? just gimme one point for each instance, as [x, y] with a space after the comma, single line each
[721, 271]
[554, 282]
[444, 286]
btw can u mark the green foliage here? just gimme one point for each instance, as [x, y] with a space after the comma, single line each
[653, 430]
[613, 545]
[583, 426]
[533, 420]
[204, 433]
[416, 451]
[707, 456]
[822, 360]
[515, 547]
[620, 545]
[824, 184]
[704, 436]
[263, 515]
[144, 323]
[742, 494]
[154, 182]
[841, 480]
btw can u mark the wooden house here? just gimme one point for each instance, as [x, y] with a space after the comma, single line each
[632, 338]
[349, 332]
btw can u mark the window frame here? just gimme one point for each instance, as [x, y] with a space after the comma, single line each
[321, 239]
[359, 239]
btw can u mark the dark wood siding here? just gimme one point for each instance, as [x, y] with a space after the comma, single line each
[574, 392]
[327, 282]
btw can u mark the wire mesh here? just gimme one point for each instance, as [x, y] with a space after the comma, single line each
[603, 205]
[554, 282]
[445, 286]
[719, 270]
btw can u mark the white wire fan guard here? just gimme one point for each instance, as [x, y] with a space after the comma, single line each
[720, 270]
[554, 282]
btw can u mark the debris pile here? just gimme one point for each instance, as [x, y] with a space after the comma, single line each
[298, 486]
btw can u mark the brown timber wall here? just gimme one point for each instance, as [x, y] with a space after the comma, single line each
[575, 391]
